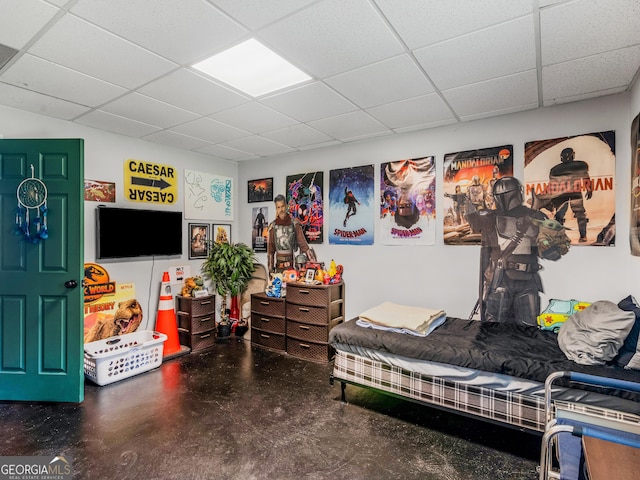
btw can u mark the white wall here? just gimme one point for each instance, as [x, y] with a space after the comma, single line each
[104, 156]
[447, 276]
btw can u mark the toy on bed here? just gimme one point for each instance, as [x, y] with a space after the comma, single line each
[557, 312]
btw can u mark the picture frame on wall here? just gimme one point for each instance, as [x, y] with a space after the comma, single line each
[221, 233]
[198, 240]
[260, 190]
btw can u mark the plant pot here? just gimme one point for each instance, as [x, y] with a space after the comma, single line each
[224, 332]
[234, 313]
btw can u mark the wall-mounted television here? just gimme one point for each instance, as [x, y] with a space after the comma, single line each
[129, 232]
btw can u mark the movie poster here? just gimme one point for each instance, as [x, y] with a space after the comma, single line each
[634, 231]
[304, 199]
[572, 179]
[468, 183]
[408, 202]
[259, 226]
[351, 206]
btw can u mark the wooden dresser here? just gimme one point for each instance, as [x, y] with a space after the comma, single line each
[268, 325]
[196, 322]
[311, 312]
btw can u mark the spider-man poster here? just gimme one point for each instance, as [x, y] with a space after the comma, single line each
[304, 199]
[407, 202]
[351, 206]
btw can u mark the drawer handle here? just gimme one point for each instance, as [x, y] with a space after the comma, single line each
[262, 302]
[264, 336]
[265, 319]
[304, 327]
[205, 319]
[303, 309]
[205, 335]
[206, 302]
[304, 291]
[304, 345]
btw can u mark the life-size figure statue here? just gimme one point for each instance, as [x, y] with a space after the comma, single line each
[285, 237]
[513, 237]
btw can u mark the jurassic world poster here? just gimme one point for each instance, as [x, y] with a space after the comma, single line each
[572, 179]
[634, 232]
[469, 177]
[351, 206]
[408, 202]
[304, 199]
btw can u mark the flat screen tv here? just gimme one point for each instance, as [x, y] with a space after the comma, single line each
[129, 232]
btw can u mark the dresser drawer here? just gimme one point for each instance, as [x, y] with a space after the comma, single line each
[198, 341]
[308, 332]
[270, 324]
[317, 352]
[196, 324]
[317, 295]
[196, 306]
[274, 341]
[307, 314]
[269, 306]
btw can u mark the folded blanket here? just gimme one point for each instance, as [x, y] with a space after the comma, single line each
[402, 317]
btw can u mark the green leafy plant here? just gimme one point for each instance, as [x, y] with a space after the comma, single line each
[229, 266]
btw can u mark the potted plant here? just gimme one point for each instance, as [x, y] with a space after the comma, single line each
[229, 266]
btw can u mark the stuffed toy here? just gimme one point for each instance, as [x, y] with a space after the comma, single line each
[191, 284]
[276, 287]
[290, 275]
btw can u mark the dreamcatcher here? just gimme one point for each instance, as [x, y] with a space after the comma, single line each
[31, 213]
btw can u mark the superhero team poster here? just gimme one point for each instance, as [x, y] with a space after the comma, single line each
[351, 206]
[572, 179]
[468, 179]
[304, 199]
[408, 202]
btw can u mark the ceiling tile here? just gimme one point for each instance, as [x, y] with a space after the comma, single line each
[253, 117]
[225, 153]
[578, 29]
[51, 79]
[176, 140]
[121, 62]
[590, 74]
[184, 32]
[20, 21]
[425, 22]
[209, 130]
[324, 40]
[425, 110]
[309, 102]
[38, 103]
[258, 14]
[258, 146]
[387, 81]
[113, 123]
[192, 92]
[500, 94]
[299, 135]
[481, 55]
[350, 126]
[148, 110]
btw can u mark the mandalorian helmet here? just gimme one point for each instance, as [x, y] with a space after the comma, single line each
[567, 155]
[507, 193]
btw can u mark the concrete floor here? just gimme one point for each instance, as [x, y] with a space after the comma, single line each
[240, 412]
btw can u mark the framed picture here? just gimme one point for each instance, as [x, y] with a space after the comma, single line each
[198, 240]
[310, 276]
[260, 190]
[221, 233]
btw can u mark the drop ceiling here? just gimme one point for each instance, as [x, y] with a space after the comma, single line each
[378, 67]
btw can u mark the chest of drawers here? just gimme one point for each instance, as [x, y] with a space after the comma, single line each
[196, 322]
[311, 312]
[268, 324]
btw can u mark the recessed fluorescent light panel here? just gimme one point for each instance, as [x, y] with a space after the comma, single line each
[252, 68]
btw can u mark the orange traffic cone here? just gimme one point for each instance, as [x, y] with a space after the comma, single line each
[166, 322]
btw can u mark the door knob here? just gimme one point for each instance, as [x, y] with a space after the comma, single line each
[70, 284]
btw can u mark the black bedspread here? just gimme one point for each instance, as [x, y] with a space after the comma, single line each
[519, 351]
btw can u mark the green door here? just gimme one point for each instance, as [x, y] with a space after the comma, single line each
[41, 326]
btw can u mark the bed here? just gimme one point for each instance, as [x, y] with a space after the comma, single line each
[493, 371]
